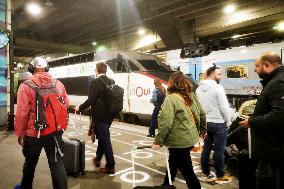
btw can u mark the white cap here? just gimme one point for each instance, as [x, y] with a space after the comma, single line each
[39, 62]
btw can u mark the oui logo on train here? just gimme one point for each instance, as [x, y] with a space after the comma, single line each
[140, 91]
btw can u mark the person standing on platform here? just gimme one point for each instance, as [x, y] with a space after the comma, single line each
[101, 117]
[267, 123]
[214, 101]
[157, 99]
[27, 135]
[181, 122]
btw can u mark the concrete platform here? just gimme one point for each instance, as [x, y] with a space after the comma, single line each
[150, 164]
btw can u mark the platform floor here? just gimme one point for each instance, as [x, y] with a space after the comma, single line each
[150, 164]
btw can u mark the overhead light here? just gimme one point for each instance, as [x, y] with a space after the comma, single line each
[141, 31]
[94, 43]
[33, 8]
[280, 26]
[236, 36]
[229, 8]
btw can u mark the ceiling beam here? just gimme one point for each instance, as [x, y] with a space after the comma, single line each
[50, 47]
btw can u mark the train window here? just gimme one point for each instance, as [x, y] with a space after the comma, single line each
[133, 67]
[117, 66]
[237, 71]
[152, 65]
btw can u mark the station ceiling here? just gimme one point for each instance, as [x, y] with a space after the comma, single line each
[72, 25]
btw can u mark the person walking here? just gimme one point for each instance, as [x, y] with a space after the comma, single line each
[181, 121]
[157, 99]
[266, 123]
[28, 136]
[213, 99]
[101, 117]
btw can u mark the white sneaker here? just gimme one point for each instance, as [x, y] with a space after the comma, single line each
[207, 178]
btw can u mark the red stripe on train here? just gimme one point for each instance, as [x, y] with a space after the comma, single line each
[153, 77]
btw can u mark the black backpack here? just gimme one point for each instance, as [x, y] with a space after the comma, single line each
[114, 101]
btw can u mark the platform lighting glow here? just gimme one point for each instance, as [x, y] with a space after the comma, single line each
[147, 40]
[229, 8]
[141, 31]
[94, 43]
[33, 9]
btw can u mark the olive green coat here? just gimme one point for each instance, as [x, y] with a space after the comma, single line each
[176, 125]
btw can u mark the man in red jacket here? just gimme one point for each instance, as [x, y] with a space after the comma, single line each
[27, 135]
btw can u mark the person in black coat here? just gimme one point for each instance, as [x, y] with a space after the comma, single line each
[101, 118]
[267, 123]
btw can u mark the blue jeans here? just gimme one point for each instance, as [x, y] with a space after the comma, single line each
[154, 120]
[104, 144]
[217, 135]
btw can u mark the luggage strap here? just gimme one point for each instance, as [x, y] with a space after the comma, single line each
[57, 149]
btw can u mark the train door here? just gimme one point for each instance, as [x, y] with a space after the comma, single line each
[121, 77]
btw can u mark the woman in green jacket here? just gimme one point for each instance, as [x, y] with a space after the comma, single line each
[180, 123]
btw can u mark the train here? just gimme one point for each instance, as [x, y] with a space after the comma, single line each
[240, 81]
[133, 71]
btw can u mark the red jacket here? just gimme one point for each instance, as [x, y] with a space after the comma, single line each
[25, 113]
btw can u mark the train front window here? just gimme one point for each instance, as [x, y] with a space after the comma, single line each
[117, 66]
[153, 65]
[238, 71]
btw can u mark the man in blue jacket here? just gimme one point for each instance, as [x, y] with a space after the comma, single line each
[267, 123]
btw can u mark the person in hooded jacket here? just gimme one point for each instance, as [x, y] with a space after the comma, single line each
[157, 99]
[214, 101]
[27, 135]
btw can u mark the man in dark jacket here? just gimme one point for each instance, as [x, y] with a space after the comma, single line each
[267, 123]
[102, 119]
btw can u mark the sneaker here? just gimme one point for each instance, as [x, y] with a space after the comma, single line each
[207, 178]
[96, 162]
[107, 171]
[223, 180]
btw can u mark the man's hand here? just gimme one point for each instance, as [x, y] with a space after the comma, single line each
[155, 146]
[244, 123]
[21, 140]
[76, 108]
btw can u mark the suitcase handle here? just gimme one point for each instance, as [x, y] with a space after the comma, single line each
[133, 164]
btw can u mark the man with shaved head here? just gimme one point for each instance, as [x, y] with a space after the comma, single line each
[267, 123]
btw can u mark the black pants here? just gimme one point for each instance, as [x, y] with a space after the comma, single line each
[270, 174]
[179, 158]
[32, 149]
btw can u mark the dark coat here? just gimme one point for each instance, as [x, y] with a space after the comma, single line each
[267, 122]
[97, 100]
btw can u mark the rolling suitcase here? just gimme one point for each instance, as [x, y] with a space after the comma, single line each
[170, 186]
[74, 155]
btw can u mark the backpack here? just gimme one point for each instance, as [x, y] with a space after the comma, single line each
[160, 97]
[51, 109]
[114, 101]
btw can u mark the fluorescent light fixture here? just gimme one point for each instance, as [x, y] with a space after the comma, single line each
[146, 40]
[141, 32]
[229, 8]
[94, 43]
[33, 9]
[236, 36]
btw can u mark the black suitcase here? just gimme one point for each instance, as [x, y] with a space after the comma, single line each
[74, 156]
[171, 186]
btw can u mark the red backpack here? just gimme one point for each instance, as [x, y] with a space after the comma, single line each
[51, 109]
